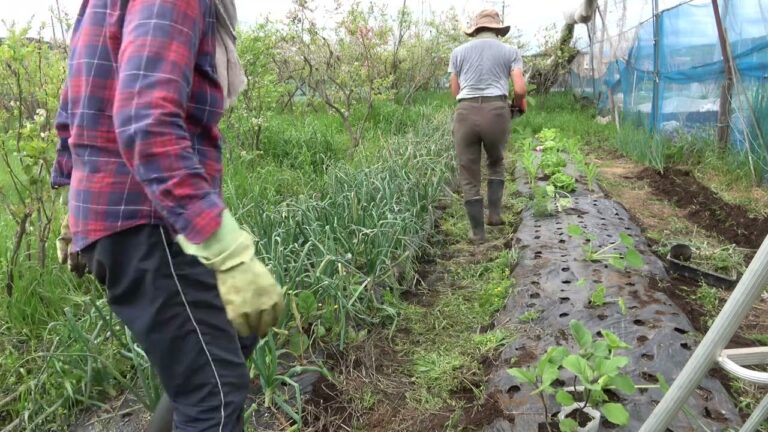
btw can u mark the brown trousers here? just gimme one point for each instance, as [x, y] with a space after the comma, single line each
[480, 125]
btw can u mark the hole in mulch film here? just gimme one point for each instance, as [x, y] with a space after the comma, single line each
[565, 269]
[535, 295]
[564, 299]
[537, 237]
[514, 389]
[686, 346]
[564, 315]
[639, 323]
[566, 281]
[705, 393]
[649, 377]
[562, 241]
[681, 331]
[531, 305]
[647, 356]
[642, 339]
[602, 317]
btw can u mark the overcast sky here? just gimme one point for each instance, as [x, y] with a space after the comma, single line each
[530, 19]
[530, 16]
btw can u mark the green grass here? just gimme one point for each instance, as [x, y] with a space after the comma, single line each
[444, 343]
[329, 223]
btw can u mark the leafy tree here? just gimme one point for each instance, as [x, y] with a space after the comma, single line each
[31, 75]
[246, 119]
[345, 66]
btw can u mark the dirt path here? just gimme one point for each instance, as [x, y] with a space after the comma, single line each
[429, 375]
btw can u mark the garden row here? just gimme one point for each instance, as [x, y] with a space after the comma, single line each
[596, 340]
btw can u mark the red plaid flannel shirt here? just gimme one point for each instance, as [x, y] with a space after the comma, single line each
[139, 141]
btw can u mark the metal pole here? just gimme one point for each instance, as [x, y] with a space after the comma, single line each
[747, 292]
[656, 57]
[759, 415]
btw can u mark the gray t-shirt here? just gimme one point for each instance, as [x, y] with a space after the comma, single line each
[484, 66]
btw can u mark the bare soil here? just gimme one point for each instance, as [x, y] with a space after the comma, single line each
[707, 209]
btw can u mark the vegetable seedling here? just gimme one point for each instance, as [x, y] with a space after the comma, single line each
[563, 182]
[591, 172]
[609, 254]
[597, 368]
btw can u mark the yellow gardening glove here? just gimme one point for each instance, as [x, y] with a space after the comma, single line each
[65, 253]
[251, 296]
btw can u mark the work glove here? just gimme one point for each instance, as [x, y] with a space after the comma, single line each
[64, 251]
[252, 298]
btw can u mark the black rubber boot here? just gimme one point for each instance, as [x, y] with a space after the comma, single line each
[162, 418]
[495, 195]
[474, 209]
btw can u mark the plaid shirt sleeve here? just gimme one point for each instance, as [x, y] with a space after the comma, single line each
[155, 70]
[62, 166]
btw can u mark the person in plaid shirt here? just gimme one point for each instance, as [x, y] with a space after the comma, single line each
[140, 152]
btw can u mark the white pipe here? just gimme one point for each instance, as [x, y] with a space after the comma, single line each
[747, 292]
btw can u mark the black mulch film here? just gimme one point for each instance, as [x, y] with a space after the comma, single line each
[551, 262]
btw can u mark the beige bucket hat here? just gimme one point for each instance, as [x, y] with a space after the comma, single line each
[487, 19]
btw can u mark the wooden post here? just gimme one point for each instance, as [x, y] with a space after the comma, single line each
[724, 116]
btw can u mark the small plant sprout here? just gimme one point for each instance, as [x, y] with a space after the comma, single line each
[531, 168]
[609, 254]
[597, 369]
[599, 298]
[530, 316]
[561, 199]
[591, 172]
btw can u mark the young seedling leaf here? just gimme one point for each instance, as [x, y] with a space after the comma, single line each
[613, 340]
[564, 398]
[550, 374]
[601, 349]
[579, 366]
[598, 296]
[550, 190]
[306, 304]
[615, 413]
[580, 333]
[618, 262]
[558, 354]
[575, 230]
[624, 384]
[626, 240]
[568, 425]
[663, 384]
[581, 282]
[523, 375]
[622, 306]
[613, 365]
[634, 259]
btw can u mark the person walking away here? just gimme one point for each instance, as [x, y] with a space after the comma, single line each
[480, 73]
[140, 151]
